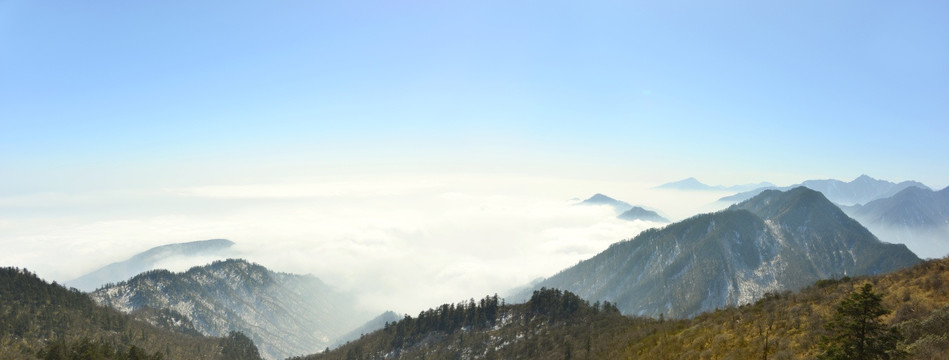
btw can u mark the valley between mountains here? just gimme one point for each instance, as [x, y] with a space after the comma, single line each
[756, 279]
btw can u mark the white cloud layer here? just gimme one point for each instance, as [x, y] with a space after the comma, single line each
[403, 243]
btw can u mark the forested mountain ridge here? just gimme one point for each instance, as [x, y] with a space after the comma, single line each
[284, 314]
[775, 241]
[557, 325]
[541, 328]
[39, 318]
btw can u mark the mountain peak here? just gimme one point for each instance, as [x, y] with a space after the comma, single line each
[801, 203]
[694, 184]
[772, 242]
[600, 199]
[690, 183]
[638, 213]
[864, 178]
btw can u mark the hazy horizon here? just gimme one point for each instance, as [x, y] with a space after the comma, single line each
[426, 152]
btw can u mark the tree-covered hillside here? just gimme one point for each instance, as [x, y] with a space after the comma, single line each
[42, 320]
[553, 325]
[559, 325]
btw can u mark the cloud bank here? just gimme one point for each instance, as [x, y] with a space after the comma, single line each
[402, 243]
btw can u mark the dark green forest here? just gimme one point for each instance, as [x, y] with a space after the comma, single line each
[39, 320]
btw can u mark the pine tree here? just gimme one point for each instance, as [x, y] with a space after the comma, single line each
[857, 332]
[238, 346]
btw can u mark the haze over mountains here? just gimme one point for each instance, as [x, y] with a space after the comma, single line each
[693, 184]
[915, 216]
[284, 314]
[195, 252]
[624, 209]
[774, 241]
[600, 199]
[858, 191]
[638, 213]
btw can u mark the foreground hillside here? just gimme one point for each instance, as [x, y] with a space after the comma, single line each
[551, 325]
[41, 320]
[560, 325]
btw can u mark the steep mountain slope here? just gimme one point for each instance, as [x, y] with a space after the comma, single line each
[638, 213]
[36, 316]
[861, 190]
[283, 314]
[148, 260]
[774, 241]
[376, 323]
[915, 216]
[693, 184]
[600, 199]
[558, 325]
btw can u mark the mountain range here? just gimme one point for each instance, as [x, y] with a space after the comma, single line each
[693, 184]
[149, 260]
[284, 314]
[773, 242]
[861, 190]
[915, 216]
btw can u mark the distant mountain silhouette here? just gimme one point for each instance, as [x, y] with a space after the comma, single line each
[772, 242]
[638, 213]
[694, 184]
[861, 190]
[147, 260]
[915, 216]
[600, 199]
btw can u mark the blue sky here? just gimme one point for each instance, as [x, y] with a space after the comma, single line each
[391, 147]
[116, 94]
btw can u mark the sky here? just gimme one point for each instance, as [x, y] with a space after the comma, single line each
[334, 129]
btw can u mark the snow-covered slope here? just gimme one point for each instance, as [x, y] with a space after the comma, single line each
[284, 314]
